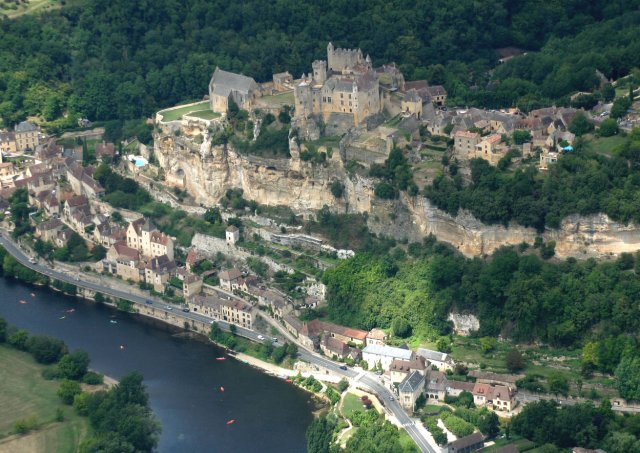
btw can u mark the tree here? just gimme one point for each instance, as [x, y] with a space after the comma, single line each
[620, 107]
[385, 191]
[558, 384]
[18, 339]
[514, 361]
[489, 424]
[45, 349]
[488, 344]
[401, 328]
[608, 128]
[319, 435]
[580, 124]
[74, 365]
[443, 344]
[3, 330]
[521, 136]
[68, 390]
[465, 399]
[337, 189]
[628, 378]
[343, 385]
[608, 92]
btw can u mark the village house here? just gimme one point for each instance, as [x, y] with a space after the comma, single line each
[7, 142]
[345, 334]
[191, 285]
[122, 260]
[411, 104]
[465, 143]
[467, 444]
[332, 347]
[229, 279]
[191, 259]
[107, 234]
[498, 397]
[237, 312]
[487, 377]
[157, 270]
[436, 385]
[51, 205]
[82, 183]
[209, 306]
[77, 203]
[410, 390]
[441, 360]
[27, 136]
[7, 173]
[455, 388]
[63, 236]
[400, 369]
[489, 148]
[376, 336]
[148, 240]
[275, 300]
[383, 356]
[48, 230]
[105, 149]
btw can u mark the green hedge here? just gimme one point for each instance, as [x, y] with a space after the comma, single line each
[456, 425]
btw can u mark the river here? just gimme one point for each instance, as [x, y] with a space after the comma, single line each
[182, 376]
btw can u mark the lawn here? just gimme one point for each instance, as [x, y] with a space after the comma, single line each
[278, 99]
[205, 114]
[406, 440]
[24, 394]
[177, 113]
[350, 404]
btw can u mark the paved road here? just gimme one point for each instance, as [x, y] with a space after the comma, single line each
[369, 379]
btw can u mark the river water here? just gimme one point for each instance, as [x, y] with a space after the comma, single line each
[182, 376]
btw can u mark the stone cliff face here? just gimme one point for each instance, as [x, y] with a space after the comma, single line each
[208, 171]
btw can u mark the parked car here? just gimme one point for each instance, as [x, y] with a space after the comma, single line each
[274, 339]
[185, 309]
[148, 302]
[169, 307]
[260, 337]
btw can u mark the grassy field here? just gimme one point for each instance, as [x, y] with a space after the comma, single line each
[11, 10]
[177, 113]
[25, 394]
[350, 404]
[605, 145]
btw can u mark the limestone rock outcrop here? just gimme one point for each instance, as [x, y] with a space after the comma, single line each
[207, 171]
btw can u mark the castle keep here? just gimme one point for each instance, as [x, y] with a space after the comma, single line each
[344, 84]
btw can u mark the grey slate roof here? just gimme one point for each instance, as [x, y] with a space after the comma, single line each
[413, 382]
[26, 126]
[225, 82]
[434, 356]
[388, 351]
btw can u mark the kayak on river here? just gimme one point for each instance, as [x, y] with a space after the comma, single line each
[231, 422]
[113, 321]
[221, 358]
[222, 389]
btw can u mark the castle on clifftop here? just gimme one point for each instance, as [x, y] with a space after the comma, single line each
[344, 85]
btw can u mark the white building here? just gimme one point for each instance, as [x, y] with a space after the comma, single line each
[233, 235]
[442, 360]
[384, 355]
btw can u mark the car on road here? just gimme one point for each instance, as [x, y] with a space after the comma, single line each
[391, 398]
[168, 307]
[185, 309]
[343, 367]
[148, 302]
[32, 260]
[274, 339]
[260, 337]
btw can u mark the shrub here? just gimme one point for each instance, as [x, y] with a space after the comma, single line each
[93, 378]
[68, 390]
[456, 425]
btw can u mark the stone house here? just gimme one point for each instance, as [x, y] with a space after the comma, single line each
[229, 279]
[227, 85]
[78, 203]
[7, 173]
[105, 149]
[465, 143]
[376, 355]
[63, 236]
[276, 301]
[81, 180]
[192, 259]
[489, 149]
[8, 142]
[232, 234]
[148, 240]
[333, 347]
[441, 360]
[467, 444]
[376, 336]
[345, 334]
[400, 369]
[157, 270]
[498, 397]
[191, 285]
[51, 205]
[436, 383]
[283, 81]
[107, 234]
[410, 390]
[237, 312]
[455, 388]
[125, 256]
[205, 305]
[437, 94]
[27, 136]
[48, 230]
[411, 104]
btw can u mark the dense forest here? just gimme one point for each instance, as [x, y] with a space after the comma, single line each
[583, 182]
[514, 293]
[120, 60]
